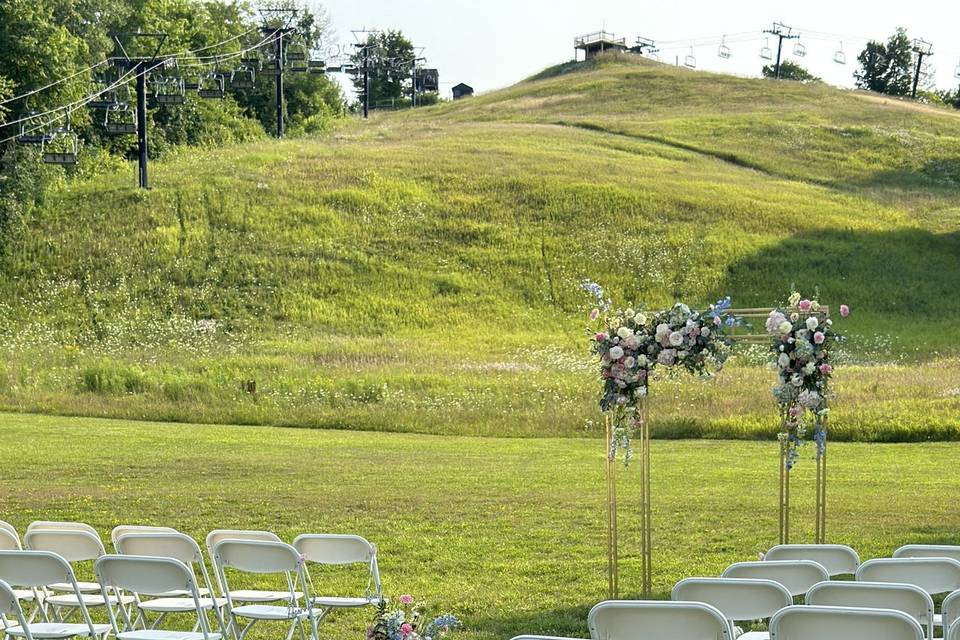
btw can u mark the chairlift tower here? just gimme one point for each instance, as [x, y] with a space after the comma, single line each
[923, 49]
[783, 32]
[278, 32]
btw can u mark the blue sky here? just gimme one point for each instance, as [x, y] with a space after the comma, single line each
[493, 43]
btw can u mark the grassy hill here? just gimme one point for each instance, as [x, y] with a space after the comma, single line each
[420, 272]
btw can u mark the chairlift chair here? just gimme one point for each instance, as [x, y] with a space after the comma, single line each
[840, 57]
[191, 83]
[32, 130]
[691, 60]
[106, 99]
[120, 120]
[170, 91]
[724, 51]
[251, 59]
[765, 51]
[242, 78]
[956, 71]
[320, 66]
[296, 51]
[63, 152]
[799, 50]
[211, 87]
[298, 66]
[270, 66]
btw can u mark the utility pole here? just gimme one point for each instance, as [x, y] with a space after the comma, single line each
[366, 81]
[783, 32]
[923, 49]
[140, 66]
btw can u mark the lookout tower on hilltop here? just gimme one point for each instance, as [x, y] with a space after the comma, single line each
[595, 43]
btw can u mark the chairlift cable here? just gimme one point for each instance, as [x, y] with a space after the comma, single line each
[54, 83]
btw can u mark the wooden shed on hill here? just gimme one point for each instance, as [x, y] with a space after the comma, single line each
[461, 91]
[593, 44]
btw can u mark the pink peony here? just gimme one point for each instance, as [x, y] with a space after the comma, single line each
[805, 305]
[844, 311]
[818, 337]
[406, 599]
[795, 411]
[601, 337]
[595, 314]
[406, 628]
[826, 369]
[717, 320]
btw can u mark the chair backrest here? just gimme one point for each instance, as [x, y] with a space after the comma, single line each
[933, 575]
[928, 551]
[950, 608]
[9, 540]
[10, 606]
[837, 559]
[657, 620]
[56, 524]
[908, 598]
[843, 623]
[127, 529]
[330, 548]
[160, 544]
[34, 569]
[74, 545]
[9, 528]
[796, 575]
[146, 575]
[257, 556]
[953, 632]
[736, 598]
[215, 536]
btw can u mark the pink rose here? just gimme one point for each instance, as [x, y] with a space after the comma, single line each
[717, 321]
[805, 305]
[795, 411]
[826, 369]
[406, 628]
[601, 337]
[595, 314]
[406, 599]
[844, 311]
[818, 337]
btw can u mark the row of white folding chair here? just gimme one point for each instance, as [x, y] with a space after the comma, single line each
[658, 620]
[837, 559]
[935, 575]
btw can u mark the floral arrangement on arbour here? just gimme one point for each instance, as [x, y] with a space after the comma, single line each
[408, 622]
[802, 341]
[632, 344]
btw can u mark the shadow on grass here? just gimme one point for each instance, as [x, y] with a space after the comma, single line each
[908, 275]
[563, 621]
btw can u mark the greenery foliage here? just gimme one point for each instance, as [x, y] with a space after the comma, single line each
[886, 67]
[789, 70]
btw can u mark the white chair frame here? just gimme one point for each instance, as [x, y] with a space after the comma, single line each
[659, 620]
[876, 595]
[796, 575]
[737, 598]
[340, 549]
[837, 559]
[850, 623]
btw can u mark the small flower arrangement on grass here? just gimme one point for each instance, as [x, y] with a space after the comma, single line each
[803, 336]
[408, 622]
[630, 345]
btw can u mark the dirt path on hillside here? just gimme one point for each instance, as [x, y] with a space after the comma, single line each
[908, 105]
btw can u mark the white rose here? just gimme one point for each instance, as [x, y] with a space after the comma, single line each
[624, 332]
[641, 361]
[785, 327]
[794, 316]
[794, 299]
[809, 368]
[662, 329]
[630, 361]
[796, 380]
[629, 313]
[616, 353]
[783, 360]
[676, 339]
[812, 323]
[640, 319]
[705, 332]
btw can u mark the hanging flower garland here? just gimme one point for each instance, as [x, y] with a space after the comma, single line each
[802, 341]
[630, 345]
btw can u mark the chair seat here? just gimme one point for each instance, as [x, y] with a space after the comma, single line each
[85, 587]
[171, 605]
[26, 595]
[57, 630]
[158, 634]
[89, 600]
[755, 635]
[253, 595]
[324, 601]
[181, 593]
[938, 620]
[270, 612]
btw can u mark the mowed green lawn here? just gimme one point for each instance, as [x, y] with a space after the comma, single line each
[507, 533]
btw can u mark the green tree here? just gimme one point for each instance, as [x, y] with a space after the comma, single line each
[387, 56]
[789, 70]
[886, 67]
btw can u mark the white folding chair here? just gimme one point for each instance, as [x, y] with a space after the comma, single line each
[530, 637]
[58, 524]
[657, 620]
[843, 623]
[245, 595]
[150, 576]
[928, 551]
[950, 609]
[933, 575]
[338, 550]
[10, 541]
[126, 529]
[39, 569]
[908, 598]
[737, 599]
[10, 606]
[184, 549]
[264, 558]
[837, 559]
[953, 633]
[796, 575]
[73, 545]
